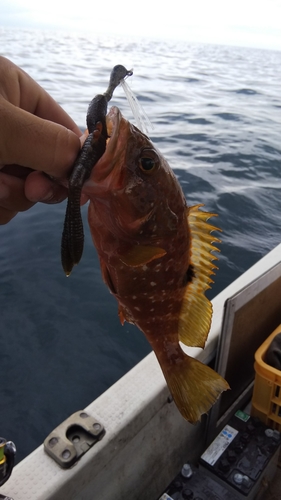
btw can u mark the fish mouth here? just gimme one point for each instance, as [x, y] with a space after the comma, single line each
[101, 178]
[113, 119]
[106, 163]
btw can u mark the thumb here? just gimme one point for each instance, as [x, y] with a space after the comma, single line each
[34, 142]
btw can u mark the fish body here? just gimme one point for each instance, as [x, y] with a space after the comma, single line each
[155, 257]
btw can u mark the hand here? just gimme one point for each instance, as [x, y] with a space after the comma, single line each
[37, 137]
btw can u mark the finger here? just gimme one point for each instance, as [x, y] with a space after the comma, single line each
[6, 215]
[35, 143]
[83, 137]
[37, 101]
[18, 88]
[12, 195]
[16, 170]
[38, 187]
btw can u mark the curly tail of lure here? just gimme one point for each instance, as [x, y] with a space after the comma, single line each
[73, 235]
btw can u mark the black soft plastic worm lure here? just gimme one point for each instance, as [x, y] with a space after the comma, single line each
[73, 234]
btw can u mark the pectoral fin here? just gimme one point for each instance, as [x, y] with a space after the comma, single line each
[140, 255]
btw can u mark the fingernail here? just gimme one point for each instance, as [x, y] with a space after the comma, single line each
[48, 197]
[54, 196]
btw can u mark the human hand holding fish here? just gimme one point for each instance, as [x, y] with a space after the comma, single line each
[37, 137]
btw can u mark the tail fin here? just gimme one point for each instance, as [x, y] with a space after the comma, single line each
[195, 387]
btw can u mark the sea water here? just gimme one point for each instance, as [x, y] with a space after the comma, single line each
[216, 116]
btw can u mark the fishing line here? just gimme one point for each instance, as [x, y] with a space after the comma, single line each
[142, 120]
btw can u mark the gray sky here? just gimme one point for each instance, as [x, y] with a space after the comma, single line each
[255, 23]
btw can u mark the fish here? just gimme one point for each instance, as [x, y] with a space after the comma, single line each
[156, 258]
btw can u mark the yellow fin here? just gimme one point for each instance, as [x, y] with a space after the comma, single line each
[194, 386]
[140, 255]
[196, 311]
[195, 318]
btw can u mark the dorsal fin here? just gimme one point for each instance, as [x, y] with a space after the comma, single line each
[196, 311]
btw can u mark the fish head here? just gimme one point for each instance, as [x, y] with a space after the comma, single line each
[132, 184]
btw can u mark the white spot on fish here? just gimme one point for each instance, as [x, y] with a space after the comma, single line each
[144, 268]
[153, 283]
[134, 297]
[169, 264]
[137, 308]
[151, 310]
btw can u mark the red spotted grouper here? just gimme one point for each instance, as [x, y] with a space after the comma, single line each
[155, 255]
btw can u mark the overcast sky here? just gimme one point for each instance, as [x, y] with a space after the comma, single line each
[255, 23]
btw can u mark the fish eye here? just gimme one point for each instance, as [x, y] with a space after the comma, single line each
[147, 164]
[148, 160]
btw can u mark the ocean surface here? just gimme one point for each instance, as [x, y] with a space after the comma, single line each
[216, 116]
